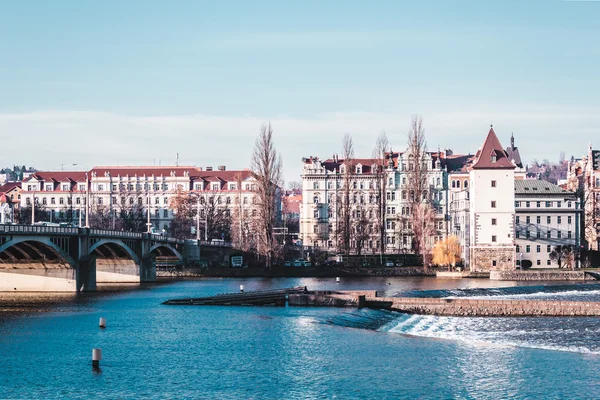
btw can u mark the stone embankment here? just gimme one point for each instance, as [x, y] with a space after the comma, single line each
[320, 272]
[461, 307]
[486, 308]
[542, 275]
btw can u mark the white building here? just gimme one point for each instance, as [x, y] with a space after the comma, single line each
[112, 189]
[492, 197]
[546, 216]
[322, 184]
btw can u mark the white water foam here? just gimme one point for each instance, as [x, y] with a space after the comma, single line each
[475, 331]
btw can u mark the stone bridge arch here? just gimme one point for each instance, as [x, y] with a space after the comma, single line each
[107, 242]
[166, 246]
[31, 243]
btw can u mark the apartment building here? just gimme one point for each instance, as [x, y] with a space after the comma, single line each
[546, 216]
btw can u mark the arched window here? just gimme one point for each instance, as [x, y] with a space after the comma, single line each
[412, 195]
[424, 195]
[316, 199]
[404, 195]
[438, 181]
[466, 184]
[354, 185]
[453, 183]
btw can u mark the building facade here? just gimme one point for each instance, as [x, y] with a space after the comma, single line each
[546, 216]
[323, 188]
[584, 178]
[111, 190]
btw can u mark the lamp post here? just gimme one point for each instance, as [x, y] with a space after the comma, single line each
[87, 201]
[149, 224]
[520, 260]
[33, 208]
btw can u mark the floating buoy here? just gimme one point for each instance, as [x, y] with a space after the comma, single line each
[96, 357]
[337, 279]
[102, 323]
[241, 288]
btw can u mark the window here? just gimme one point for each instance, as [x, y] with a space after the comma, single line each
[517, 204]
[549, 234]
[527, 234]
[493, 183]
[558, 219]
[518, 248]
[538, 262]
[157, 213]
[538, 219]
[528, 249]
[329, 186]
[166, 213]
[569, 204]
[216, 186]
[99, 200]
[114, 187]
[493, 263]
[547, 262]
[493, 204]
[493, 238]
[44, 202]
[548, 204]
[61, 200]
[517, 219]
[493, 221]
[559, 234]
[494, 160]
[569, 219]
[548, 219]
[157, 200]
[527, 204]
[528, 219]
[548, 249]
[538, 234]
[466, 184]
[354, 185]
[52, 200]
[517, 234]
[49, 188]
[538, 248]
[165, 200]
[101, 187]
[78, 200]
[538, 204]
[316, 213]
[558, 204]
[65, 188]
[316, 185]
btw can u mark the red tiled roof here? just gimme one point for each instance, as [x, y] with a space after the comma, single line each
[144, 171]
[492, 147]
[8, 186]
[57, 176]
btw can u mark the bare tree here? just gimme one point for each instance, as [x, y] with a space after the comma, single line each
[267, 170]
[344, 206]
[360, 228]
[421, 211]
[379, 155]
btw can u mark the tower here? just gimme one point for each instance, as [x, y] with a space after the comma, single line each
[492, 194]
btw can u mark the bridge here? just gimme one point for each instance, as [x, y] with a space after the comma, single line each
[49, 258]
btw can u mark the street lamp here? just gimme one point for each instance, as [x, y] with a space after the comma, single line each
[198, 196]
[520, 260]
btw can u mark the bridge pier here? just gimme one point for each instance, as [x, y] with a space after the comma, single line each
[147, 269]
[86, 274]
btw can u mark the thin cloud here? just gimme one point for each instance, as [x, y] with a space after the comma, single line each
[98, 138]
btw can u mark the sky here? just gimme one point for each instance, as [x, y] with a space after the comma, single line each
[138, 82]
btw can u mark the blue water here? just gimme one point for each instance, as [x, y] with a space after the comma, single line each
[156, 351]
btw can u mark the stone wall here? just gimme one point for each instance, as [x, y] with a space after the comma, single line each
[546, 275]
[486, 308]
[482, 258]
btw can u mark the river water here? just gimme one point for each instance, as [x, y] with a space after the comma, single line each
[156, 351]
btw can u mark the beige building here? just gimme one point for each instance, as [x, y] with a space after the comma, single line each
[584, 179]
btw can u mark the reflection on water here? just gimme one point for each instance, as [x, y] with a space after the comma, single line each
[156, 351]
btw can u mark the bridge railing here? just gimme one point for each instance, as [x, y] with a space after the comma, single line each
[34, 229]
[119, 234]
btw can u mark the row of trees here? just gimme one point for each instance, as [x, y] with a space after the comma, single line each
[352, 221]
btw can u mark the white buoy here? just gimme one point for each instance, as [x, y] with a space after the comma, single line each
[102, 323]
[242, 288]
[337, 279]
[96, 357]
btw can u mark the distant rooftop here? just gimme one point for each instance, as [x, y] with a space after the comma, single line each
[534, 186]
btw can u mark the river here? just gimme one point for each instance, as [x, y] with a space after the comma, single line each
[156, 351]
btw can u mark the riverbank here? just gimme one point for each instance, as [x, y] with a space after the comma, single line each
[294, 272]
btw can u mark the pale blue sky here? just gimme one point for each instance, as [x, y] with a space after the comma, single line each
[131, 82]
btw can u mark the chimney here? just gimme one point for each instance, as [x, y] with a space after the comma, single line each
[199, 168]
[221, 168]
[209, 168]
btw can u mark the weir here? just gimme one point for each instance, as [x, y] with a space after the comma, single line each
[411, 305]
